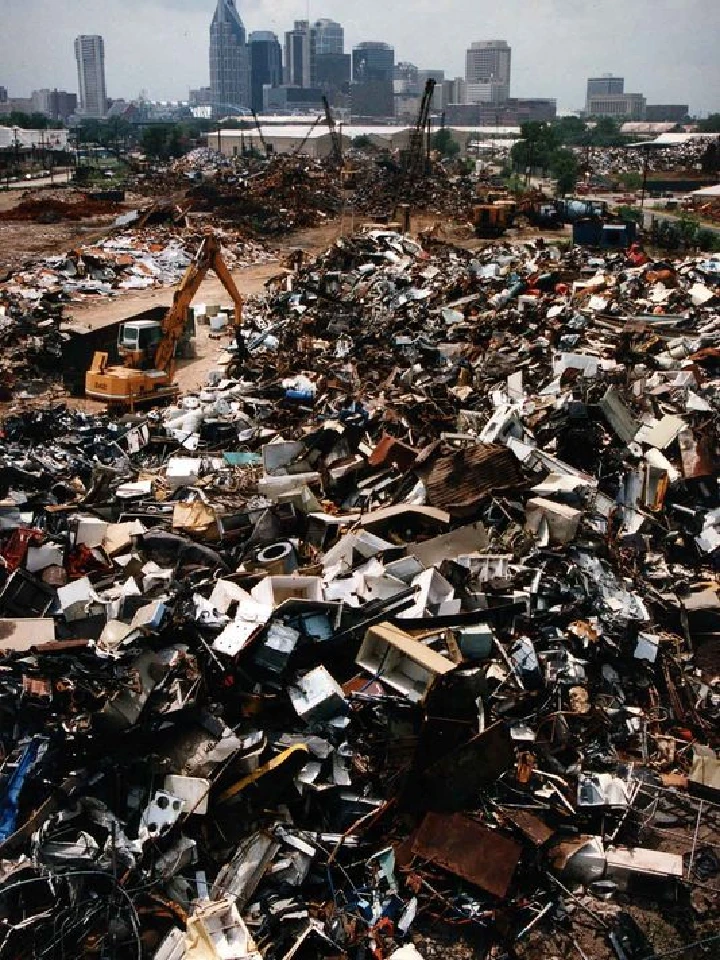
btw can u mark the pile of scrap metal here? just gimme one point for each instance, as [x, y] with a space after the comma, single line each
[406, 635]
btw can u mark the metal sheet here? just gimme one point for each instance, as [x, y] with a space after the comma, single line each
[459, 481]
[469, 850]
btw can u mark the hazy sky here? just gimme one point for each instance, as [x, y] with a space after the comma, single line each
[666, 49]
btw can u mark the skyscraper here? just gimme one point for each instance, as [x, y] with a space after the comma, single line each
[90, 56]
[372, 61]
[299, 52]
[488, 63]
[265, 64]
[373, 70]
[229, 59]
[329, 37]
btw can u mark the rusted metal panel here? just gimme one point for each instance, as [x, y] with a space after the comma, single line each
[454, 782]
[469, 850]
[531, 826]
[459, 481]
[696, 454]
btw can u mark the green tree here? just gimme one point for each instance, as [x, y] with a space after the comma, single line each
[174, 143]
[632, 180]
[711, 124]
[536, 147]
[154, 142]
[564, 168]
[445, 144]
[606, 133]
[362, 142]
[570, 131]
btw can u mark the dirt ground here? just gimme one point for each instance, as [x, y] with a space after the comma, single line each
[22, 242]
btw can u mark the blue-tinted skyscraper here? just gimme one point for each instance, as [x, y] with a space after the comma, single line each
[229, 58]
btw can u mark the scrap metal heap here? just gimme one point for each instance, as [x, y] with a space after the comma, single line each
[403, 644]
[279, 194]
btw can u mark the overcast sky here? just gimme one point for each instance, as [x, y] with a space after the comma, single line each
[666, 49]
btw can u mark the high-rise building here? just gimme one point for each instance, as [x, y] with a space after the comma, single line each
[3, 95]
[605, 85]
[329, 37]
[90, 57]
[489, 62]
[332, 74]
[373, 70]
[229, 60]
[265, 65]
[299, 52]
[373, 61]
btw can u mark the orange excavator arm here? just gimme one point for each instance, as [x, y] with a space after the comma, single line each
[209, 257]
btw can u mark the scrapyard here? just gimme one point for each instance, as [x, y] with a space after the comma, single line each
[400, 641]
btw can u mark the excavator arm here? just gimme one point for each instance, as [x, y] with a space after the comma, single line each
[209, 257]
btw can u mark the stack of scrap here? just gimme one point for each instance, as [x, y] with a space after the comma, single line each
[404, 635]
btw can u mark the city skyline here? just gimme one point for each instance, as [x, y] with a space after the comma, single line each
[665, 48]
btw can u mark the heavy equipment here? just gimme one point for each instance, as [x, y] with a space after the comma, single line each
[129, 386]
[335, 139]
[416, 160]
[267, 150]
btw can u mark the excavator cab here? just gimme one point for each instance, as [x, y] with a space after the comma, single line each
[137, 342]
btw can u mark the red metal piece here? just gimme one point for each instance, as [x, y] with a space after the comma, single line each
[16, 548]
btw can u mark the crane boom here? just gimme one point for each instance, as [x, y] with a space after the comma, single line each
[334, 135]
[299, 148]
[260, 133]
[416, 161]
[415, 154]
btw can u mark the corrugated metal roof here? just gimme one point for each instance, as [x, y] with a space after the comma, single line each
[459, 481]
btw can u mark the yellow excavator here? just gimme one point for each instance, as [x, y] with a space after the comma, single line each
[131, 385]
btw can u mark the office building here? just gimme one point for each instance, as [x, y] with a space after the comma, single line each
[405, 80]
[605, 85]
[56, 105]
[265, 65]
[329, 37]
[299, 51]
[3, 95]
[229, 58]
[373, 72]
[667, 112]
[372, 61]
[283, 100]
[202, 97]
[454, 91]
[332, 74]
[437, 102]
[489, 62]
[621, 106]
[90, 57]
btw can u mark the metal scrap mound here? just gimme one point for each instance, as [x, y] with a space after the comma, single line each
[401, 641]
[53, 210]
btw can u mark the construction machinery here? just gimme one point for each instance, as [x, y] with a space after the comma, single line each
[416, 161]
[491, 220]
[266, 150]
[337, 155]
[134, 383]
